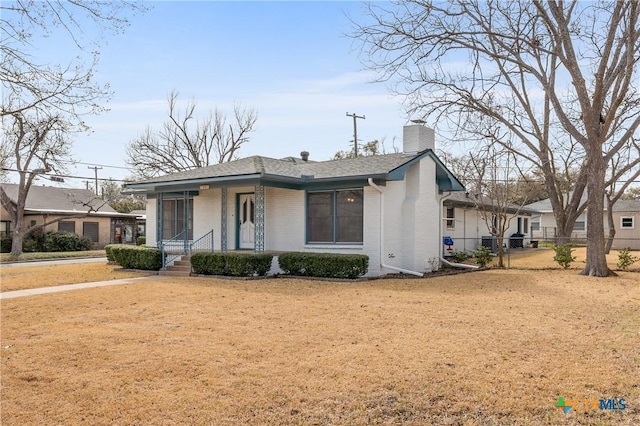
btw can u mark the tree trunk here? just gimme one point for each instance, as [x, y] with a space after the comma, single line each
[18, 237]
[596, 265]
[612, 227]
[500, 242]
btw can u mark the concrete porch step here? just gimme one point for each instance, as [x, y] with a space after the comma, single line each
[180, 268]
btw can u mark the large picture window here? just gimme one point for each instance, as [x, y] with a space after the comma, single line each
[173, 212]
[335, 216]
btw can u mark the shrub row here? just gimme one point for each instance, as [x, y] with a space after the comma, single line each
[231, 264]
[325, 265]
[54, 241]
[135, 257]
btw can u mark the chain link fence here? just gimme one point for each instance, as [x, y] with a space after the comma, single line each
[527, 253]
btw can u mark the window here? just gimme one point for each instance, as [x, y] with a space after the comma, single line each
[91, 230]
[5, 229]
[579, 225]
[451, 216]
[626, 222]
[535, 225]
[67, 225]
[335, 216]
[173, 218]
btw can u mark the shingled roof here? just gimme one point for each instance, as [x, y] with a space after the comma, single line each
[297, 173]
[52, 199]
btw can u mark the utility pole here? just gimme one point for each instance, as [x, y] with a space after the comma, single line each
[355, 131]
[95, 169]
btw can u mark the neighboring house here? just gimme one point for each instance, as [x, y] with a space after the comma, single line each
[626, 217]
[141, 222]
[385, 206]
[626, 214]
[463, 222]
[46, 203]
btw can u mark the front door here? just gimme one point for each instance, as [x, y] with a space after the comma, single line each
[247, 222]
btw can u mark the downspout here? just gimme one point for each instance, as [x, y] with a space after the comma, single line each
[382, 264]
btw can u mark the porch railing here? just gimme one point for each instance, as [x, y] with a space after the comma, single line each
[180, 246]
[204, 243]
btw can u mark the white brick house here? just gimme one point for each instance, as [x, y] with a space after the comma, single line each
[385, 206]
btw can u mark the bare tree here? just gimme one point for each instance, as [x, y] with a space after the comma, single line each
[43, 103]
[496, 186]
[37, 146]
[30, 83]
[547, 71]
[374, 147]
[186, 142]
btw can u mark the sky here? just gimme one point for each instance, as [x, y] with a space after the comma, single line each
[291, 61]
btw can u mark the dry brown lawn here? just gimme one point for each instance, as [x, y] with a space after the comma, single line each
[542, 258]
[26, 277]
[491, 347]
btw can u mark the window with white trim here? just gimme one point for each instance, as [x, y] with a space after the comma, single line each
[627, 222]
[451, 218]
[535, 225]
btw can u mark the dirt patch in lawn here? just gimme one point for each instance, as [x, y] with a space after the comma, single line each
[491, 347]
[26, 277]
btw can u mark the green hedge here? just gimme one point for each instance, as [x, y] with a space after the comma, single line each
[107, 250]
[135, 257]
[325, 265]
[231, 264]
[5, 245]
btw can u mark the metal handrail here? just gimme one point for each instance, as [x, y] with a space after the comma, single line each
[168, 249]
[204, 243]
[169, 252]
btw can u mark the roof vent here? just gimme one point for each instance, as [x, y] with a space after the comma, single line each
[304, 155]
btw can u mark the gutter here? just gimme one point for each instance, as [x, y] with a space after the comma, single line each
[393, 268]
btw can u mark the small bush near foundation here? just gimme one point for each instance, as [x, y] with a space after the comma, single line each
[325, 265]
[564, 255]
[141, 240]
[134, 257]
[231, 264]
[483, 256]
[626, 259]
[459, 255]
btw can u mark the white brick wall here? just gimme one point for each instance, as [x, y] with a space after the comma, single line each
[151, 226]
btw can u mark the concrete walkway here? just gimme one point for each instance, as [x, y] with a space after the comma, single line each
[56, 289]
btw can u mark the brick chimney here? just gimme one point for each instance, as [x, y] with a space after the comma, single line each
[416, 138]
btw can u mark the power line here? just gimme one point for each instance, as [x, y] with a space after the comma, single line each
[68, 176]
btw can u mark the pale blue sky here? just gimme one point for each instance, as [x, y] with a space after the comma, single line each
[291, 61]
